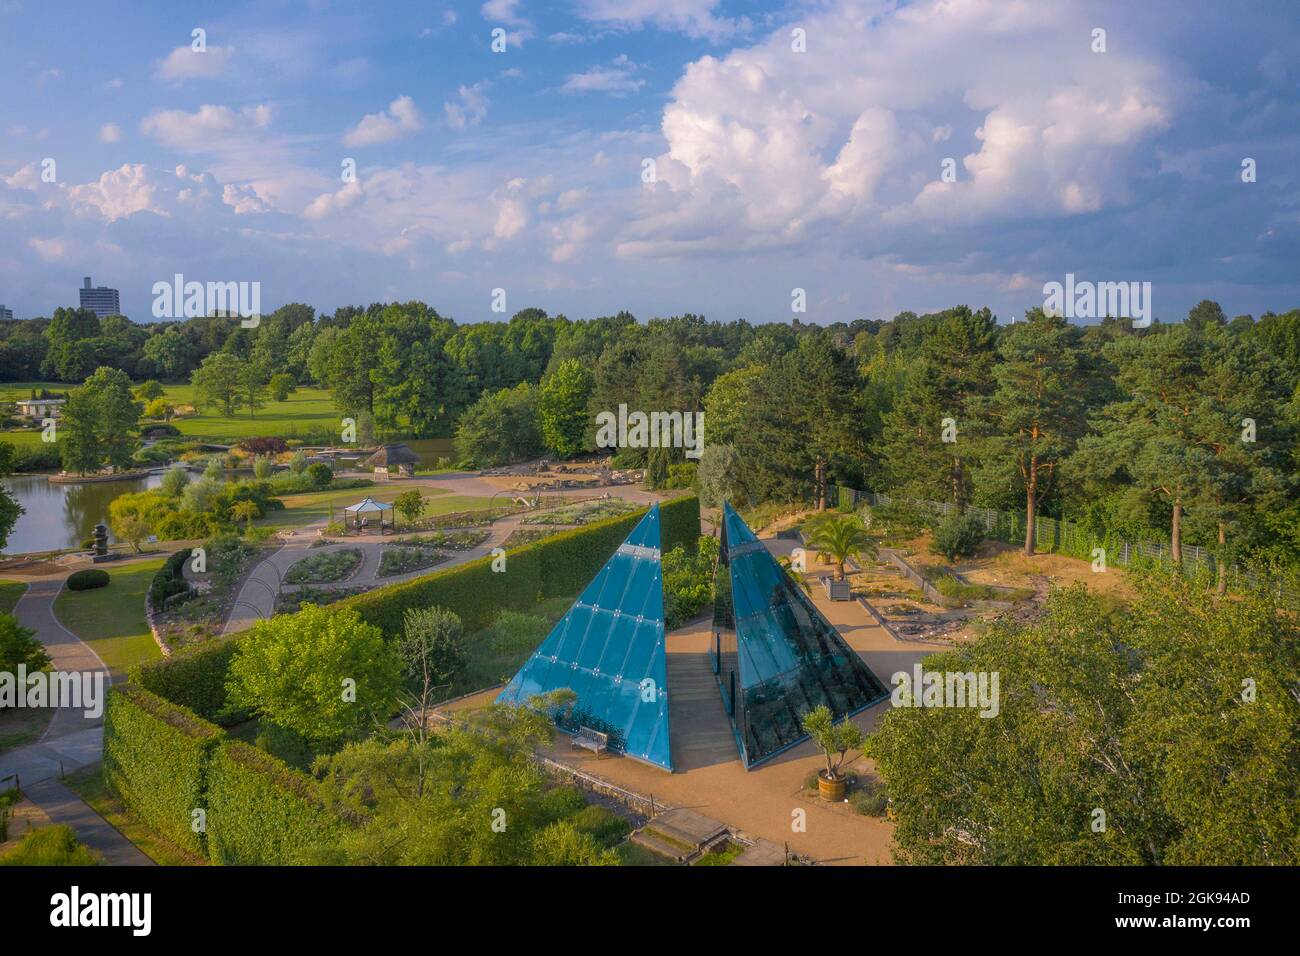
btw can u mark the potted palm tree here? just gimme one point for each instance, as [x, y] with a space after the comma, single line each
[839, 539]
[835, 741]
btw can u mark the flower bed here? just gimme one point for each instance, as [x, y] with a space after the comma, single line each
[400, 560]
[325, 567]
[461, 540]
[584, 512]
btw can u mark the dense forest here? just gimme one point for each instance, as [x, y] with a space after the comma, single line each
[1185, 431]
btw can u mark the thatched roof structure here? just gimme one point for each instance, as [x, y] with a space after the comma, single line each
[389, 456]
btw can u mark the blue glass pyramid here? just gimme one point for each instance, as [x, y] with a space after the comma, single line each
[776, 657]
[609, 650]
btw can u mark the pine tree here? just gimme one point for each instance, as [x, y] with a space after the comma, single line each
[1036, 414]
[924, 447]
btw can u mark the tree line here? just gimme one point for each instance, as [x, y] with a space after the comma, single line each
[1188, 426]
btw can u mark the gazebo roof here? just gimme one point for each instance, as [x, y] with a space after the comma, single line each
[396, 454]
[367, 505]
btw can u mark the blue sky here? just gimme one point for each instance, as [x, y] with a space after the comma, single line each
[775, 169]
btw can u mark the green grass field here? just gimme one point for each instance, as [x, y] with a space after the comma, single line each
[305, 410]
[10, 592]
[111, 619]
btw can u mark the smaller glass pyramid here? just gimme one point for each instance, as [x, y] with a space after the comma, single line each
[776, 657]
[609, 650]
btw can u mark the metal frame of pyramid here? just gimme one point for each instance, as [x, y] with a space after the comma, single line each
[609, 649]
[775, 656]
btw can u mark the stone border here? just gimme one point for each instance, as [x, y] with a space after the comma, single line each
[153, 627]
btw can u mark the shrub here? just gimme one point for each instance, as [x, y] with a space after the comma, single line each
[19, 646]
[264, 445]
[169, 580]
[262, 811]
[404, 560]
[681, 475]
[319, 474]
[604, 826]
[50, 846]
[958, 535]
[40, 457]
[871, 798]
[155, 761]
[688, 581]
[174, 481]
[88, 579]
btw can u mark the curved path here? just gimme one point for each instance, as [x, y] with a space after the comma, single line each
[72, 739]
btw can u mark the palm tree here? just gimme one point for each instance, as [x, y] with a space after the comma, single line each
[841, 538]
[787, 565]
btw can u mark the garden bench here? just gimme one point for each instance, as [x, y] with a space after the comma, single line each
[591, 739]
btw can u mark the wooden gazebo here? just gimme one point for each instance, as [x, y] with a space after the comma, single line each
[393, 459]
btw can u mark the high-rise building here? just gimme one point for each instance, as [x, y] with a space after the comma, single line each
[6, 314]
[101, 300]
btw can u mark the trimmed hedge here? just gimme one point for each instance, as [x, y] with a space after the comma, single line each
[194, 677]
[156, 758]
[87, 580]
[262, 811]
[169, 579]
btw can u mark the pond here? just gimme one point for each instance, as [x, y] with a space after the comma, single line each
[431, 449]
[63, 516]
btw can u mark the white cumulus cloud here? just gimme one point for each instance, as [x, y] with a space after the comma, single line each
[401, 118]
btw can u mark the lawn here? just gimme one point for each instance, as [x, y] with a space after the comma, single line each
[111, 619]
[10, 592]
[306, 410]
[23, 725]
[313, 506]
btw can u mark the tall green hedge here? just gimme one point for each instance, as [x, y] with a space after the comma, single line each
[156, 758]
[680, 522]
[195, 678]
[262, 812]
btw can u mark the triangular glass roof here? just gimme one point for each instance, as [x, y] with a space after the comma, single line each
[786, 657]
[609, 650]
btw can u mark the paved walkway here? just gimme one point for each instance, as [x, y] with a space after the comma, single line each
[72, 739]
[61, 805]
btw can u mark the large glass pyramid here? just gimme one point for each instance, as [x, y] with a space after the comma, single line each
[609, 650]
[776, 657]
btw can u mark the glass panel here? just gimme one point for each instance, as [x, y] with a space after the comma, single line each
[605, 646]
[785, 657]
